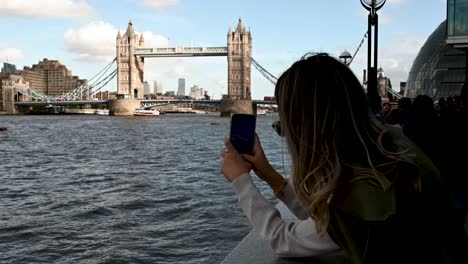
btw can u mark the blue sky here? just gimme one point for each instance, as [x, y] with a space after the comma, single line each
[81, 34]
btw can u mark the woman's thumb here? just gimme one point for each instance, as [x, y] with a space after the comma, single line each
[248, 158]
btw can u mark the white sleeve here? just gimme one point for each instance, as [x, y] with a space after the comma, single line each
[287, 239]
[292, 202]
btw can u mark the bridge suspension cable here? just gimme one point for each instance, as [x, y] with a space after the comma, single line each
[104, 69]
[359, 47]
[86, 88]
[31, 93]
[107, 79]
[273, 79]
[89, 87]
[270, 77]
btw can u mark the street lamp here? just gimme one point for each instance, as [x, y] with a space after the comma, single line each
[345, 57]
[373, 20]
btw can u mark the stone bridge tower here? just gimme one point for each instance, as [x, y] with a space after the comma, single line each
[10, 95]
[239, 46]
[130, 68]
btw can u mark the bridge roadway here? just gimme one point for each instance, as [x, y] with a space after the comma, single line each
[144, 103]
[180, 51]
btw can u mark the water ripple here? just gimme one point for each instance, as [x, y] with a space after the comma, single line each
[94, 189]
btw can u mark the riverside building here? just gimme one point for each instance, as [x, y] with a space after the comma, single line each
[197, 93]
[51, 78]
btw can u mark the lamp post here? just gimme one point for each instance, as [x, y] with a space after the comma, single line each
[373, 20]
[345, 57]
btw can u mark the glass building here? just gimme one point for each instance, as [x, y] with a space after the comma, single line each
[439, 69]
[8, 68]
[457, 23]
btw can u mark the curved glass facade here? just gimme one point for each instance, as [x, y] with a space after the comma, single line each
[438, 70]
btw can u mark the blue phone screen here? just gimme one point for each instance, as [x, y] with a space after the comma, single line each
[243, 132]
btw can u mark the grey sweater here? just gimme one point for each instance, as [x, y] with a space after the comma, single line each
[287, 239]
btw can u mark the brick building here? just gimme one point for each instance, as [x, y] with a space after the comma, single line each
[51, 78]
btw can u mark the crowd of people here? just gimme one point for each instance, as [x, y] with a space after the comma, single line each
[440, 129]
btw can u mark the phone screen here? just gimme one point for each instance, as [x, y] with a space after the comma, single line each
[243, 132]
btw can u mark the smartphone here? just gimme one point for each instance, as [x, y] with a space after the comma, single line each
[242, 133]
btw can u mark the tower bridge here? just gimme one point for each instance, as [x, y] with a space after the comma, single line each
[129, 65]
[131, 54]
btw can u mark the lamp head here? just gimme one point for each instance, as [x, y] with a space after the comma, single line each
[373, 4]
[345, 57]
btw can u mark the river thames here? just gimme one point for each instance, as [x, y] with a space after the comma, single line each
[101, 189]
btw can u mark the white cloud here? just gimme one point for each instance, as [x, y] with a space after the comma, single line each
[154, 41]
[46, 8]
[95, 41]
[10, 55]
[159, 4]
[397, 57]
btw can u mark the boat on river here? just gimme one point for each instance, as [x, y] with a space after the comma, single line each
[145, 113]
[102, 112]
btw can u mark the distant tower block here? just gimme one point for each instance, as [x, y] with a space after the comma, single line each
[239, 45]
[130, 67]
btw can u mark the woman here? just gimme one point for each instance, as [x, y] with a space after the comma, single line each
[358, 187]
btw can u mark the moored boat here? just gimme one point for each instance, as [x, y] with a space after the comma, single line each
[261, 112]
[146, 113]
[102, 112]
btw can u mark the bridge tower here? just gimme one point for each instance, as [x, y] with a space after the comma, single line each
[239, 52]
[14, 89]
[130, 67]
[239, 46]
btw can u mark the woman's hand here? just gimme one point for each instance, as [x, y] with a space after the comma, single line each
[260, 164]
[233, 165]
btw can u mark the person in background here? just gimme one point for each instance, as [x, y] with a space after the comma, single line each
[385, 113]
[361, 190]
[400, 115]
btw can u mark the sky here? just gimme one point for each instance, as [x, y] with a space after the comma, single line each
[81, 34]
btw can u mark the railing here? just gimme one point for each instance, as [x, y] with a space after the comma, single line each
[180, 51]
[394, 93]
[256, 251]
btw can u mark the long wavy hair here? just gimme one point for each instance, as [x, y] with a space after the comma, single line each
[332, 136]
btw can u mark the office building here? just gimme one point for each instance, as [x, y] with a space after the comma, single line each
[147, 88]
[158, 87]
[196, 93]
[51, 78]
[8, 68]
[181, 89]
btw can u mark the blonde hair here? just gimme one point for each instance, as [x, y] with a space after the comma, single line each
[332, 136]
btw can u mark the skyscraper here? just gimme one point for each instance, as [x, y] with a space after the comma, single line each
[181, 90]
[147, 87]
[158, 87]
